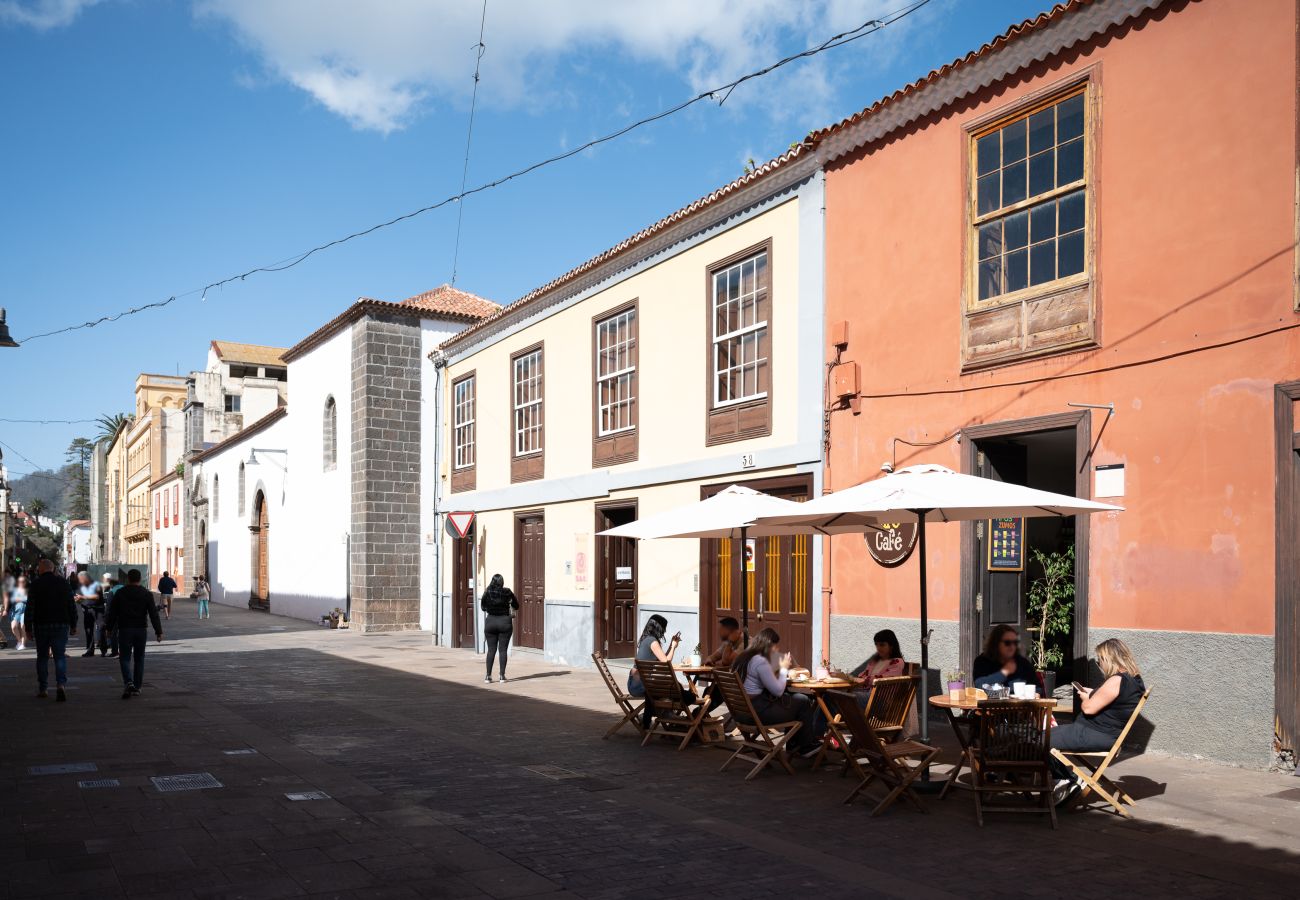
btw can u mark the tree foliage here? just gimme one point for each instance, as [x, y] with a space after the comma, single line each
[1051, 606]
[77, 496]
[111, 424]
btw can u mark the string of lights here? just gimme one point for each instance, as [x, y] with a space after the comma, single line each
[48, 421]
[718, 94]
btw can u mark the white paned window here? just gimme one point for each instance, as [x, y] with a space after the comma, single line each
[740, 331]
[463, 422]
[528, 403]
[616, 373]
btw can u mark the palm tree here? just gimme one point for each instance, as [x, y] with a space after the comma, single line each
[36, 507]
[110, 425]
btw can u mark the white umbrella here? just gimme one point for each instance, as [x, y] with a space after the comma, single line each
[920, 494]
[728, 514]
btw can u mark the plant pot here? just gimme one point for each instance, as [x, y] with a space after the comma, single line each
[1049, 682]
[695, 659]
[334, 621]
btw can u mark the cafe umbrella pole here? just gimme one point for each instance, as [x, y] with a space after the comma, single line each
[925, 637]
[744, 582]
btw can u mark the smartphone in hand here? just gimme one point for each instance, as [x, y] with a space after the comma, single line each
[1078, 687]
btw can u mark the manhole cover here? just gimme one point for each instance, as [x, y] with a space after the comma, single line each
[63, 769]
[555, 773]
[308, 795]
[167, 784]
[100, 783]
[247, 751]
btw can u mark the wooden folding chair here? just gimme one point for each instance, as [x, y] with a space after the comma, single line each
[670, 714]
[760, 742]
[1013, 744]
[1090, 768]
[897, 765]
[887, 708]
[626, 702]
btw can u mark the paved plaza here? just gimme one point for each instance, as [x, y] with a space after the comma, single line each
[433, 784]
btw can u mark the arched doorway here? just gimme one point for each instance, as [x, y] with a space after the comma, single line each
[202, 552]
[260, 593]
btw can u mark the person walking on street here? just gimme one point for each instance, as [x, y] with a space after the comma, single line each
[15, 607]
[52, 615]
[499, 603]
[91, 598]
[110, 589]
[166, 587]
[129, 615]
[203, 594]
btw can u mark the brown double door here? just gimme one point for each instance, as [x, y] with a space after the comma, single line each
[530, 579]
[464, 600]
[616, 579]
[780, 583]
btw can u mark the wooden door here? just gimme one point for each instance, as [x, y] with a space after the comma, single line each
[463, 594]
[616, 585]
[260, 595]
[530, 580]
[1001, 598]
[780, 585]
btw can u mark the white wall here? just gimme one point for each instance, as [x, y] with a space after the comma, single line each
[315, 547]
[230, 547]
[432, 333]
[80, 539]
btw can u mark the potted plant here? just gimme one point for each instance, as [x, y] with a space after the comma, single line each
[696, 656]
[1051, 609]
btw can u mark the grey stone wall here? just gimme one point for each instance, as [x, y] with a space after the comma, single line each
[385, 551]
[1212, 693]
[570, 625]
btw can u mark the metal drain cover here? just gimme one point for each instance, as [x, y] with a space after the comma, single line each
[308, 795]
[63, 769]
[247, 751]
[555, 773]
[167, 784]
[100, 783]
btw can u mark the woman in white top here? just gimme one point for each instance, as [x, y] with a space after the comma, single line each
[203, 595]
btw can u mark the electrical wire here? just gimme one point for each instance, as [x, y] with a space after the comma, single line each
[871, 26]
[469, 135]
[48, 421]
[27, 459]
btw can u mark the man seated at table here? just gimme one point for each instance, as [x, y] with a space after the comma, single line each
[733, 641]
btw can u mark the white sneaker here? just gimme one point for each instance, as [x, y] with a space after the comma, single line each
[1063, 790]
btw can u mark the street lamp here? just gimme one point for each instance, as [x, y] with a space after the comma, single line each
[5, 339]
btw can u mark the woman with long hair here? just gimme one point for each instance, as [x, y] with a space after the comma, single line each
[761, 667]
[1106, 709]
[16, 607]
[1001, 662]
[886, 662]
[499, 605]
[651, 648]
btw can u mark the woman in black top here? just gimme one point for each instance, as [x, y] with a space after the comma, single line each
[500, 604]
[1001, 662]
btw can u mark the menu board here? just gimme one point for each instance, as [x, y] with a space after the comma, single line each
[1006, 543]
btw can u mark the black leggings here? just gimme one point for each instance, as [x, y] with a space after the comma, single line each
[497, 631]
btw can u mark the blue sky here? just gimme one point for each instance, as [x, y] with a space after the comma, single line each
[152, 146]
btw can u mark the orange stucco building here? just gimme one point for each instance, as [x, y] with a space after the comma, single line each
[1099, 207]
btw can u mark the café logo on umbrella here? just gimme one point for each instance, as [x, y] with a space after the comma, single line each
[891, 543]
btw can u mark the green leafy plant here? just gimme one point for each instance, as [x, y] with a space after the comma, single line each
[1051, 606]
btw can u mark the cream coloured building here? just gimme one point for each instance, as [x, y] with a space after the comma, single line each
[685, 359]
[153, 439]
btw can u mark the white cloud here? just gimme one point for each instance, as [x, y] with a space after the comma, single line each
[380, 64]
[42, 14]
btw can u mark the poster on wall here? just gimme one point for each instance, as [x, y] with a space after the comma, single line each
[1007, 544]
[580, 562]
[750, 544]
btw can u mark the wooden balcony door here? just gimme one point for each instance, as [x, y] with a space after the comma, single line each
[463, 594]
[530, 579]
[616, 582]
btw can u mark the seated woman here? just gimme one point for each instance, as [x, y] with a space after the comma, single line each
[651, 647]
[1106, 710]
[1001, 662]
[758, 667]
[886, 662]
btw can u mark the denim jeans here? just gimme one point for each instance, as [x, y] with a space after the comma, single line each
[51, 637]
[131, 643]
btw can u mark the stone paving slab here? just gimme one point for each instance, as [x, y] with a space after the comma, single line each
[437, 787]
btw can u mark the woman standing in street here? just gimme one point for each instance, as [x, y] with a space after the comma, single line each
[16, 608]
[202, 593]
[499, 603]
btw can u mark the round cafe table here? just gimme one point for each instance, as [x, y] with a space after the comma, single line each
[817, 689]
[694, 675]
[971, 705]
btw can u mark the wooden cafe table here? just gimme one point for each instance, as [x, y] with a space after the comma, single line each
[817, 689]
[970, 704]
[694, 675]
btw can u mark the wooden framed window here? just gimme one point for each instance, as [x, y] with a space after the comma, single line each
[739, 291]
[1030, 237]
[176, 503]
[614, 382]
[527, 460]
[157, 504]
[464, 395]
[216, 497]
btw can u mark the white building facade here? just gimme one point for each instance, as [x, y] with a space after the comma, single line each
[168, 536]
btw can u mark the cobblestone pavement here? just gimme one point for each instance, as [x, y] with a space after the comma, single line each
[441, 786]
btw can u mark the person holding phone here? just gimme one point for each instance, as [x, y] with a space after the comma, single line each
[651, 647]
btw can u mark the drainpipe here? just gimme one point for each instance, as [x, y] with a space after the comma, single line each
[439, 361]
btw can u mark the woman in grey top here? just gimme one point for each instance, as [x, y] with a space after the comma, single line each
[761, 667]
